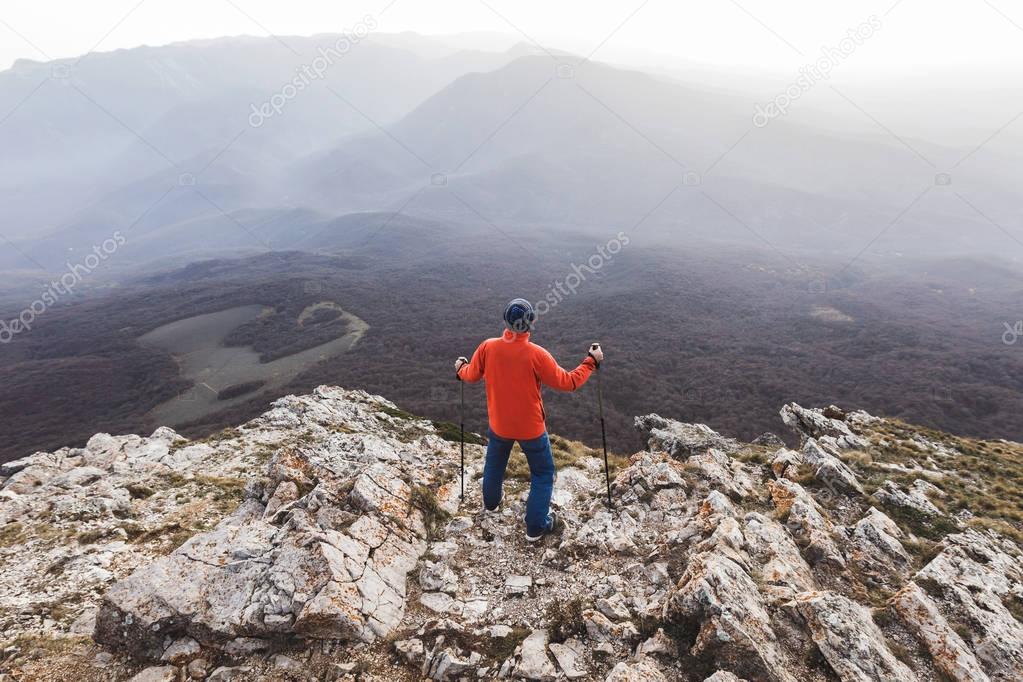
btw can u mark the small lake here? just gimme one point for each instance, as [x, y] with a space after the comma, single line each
[196, 343]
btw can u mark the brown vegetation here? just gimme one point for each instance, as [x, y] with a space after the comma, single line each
[723, 339]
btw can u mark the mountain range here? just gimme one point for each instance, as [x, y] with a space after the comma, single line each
[160, 143]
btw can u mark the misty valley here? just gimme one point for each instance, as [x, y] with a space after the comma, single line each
[719, 336]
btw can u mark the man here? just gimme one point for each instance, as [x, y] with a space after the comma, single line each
[514, 368]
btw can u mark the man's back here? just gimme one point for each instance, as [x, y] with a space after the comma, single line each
[514, 368]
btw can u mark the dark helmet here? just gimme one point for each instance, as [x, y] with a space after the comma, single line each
[519, 315]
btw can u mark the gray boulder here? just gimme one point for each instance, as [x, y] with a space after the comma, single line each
[681, 440]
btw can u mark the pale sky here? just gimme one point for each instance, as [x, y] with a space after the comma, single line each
[780, 35]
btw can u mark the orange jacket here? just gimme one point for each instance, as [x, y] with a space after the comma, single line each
[514, 368]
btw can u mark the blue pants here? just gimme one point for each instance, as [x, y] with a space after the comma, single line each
[541, 486]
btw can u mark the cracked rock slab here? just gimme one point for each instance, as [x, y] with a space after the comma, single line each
[807, 521]
[971, 578]
[331, 563]
[828, 423]
[914, 500]
[569, 657]
[719, 598]
[848, 638]
[681, 440]
[534, 663]
[948, 650]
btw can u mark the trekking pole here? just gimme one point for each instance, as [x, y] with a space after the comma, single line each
[461, 428]
[603, 430]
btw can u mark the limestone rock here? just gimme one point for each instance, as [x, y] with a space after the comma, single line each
[446, 665]
[769, 440]
[723, 676]
[807, 521]
[971, 577]
[229, 674]
[877, 549]
[181, 651]
[197, 669]
[658, 645]
[411, 649]
[286, 663]
[717, 596]
[652, 479]
[829, 423]
[829, 469]
[332, 564]
[722, 473]
[164, 673]
[644, 670]
[950, 653]
[614, 607]
[534, 664]
[438, 577]
[914, 500]
[848, 638]
[439, 602]
[569, 658]
[681, 440]
[600, 628]
[285, 493]
[783, 571]
[306, 524]
[518, 584]
[605, 532]
[832, 472]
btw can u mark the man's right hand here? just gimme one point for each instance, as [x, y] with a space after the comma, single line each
[596, 353]
[460, 362]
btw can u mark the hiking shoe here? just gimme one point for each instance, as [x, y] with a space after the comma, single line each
[555, 527]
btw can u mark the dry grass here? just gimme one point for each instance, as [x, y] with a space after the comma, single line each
[218, 488]
[17, 533]
[434, 517]
[567, 453]
[202, 501]
[11, 534]
[755, 454]
[983, 477]
[34, 647]
[564, 619]
[42, 658]
[857, 458]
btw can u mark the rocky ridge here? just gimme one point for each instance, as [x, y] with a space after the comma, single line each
[326, 540]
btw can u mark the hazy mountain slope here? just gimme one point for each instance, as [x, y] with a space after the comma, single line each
[592, 148]
[71, 133]
[607, 145]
